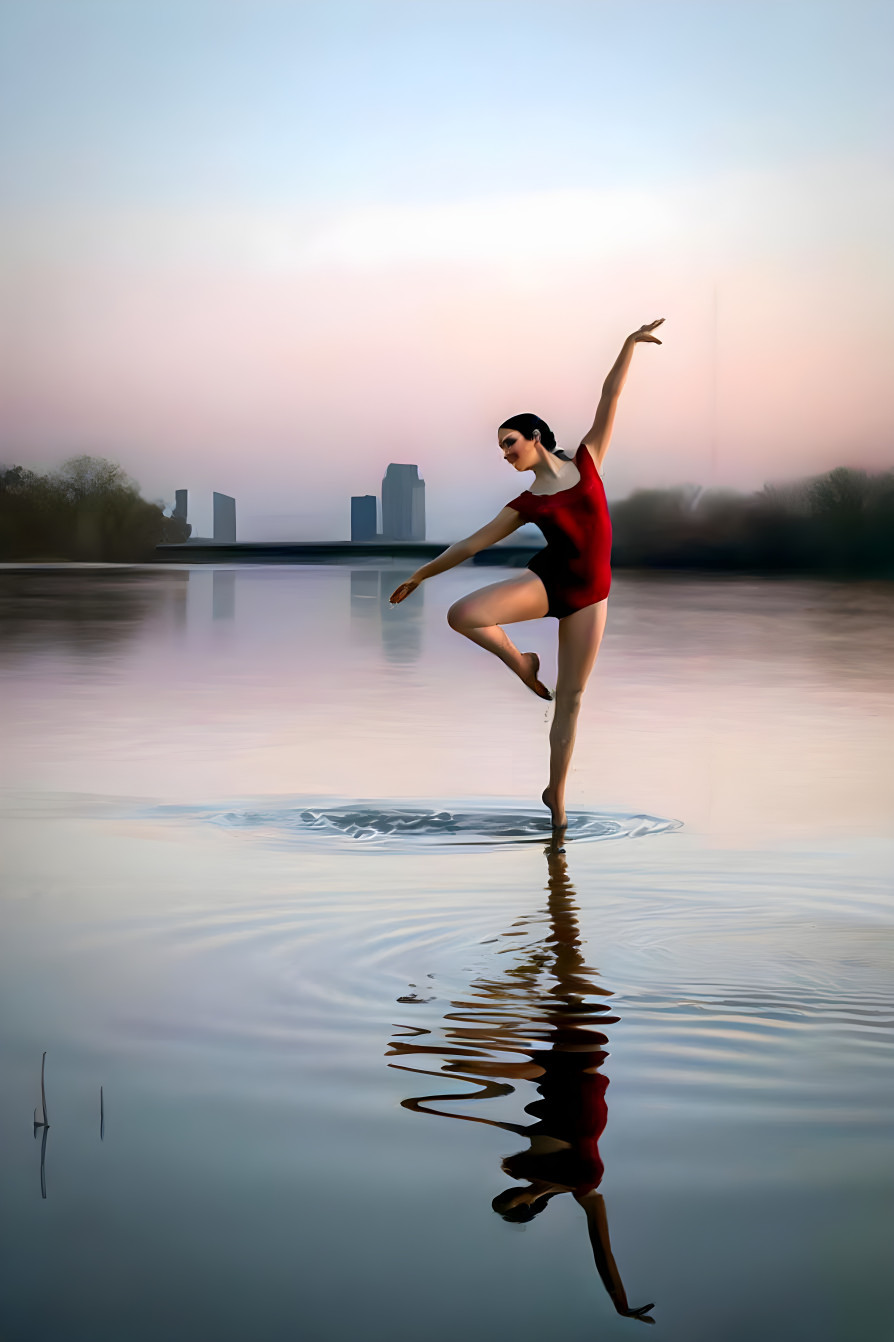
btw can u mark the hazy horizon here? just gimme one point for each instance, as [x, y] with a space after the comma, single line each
[269, 250]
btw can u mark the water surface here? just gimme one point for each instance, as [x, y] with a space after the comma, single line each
[374, 1056]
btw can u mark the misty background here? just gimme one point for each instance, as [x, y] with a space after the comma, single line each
[268, 249]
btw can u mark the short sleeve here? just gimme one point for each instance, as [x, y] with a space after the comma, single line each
[522, 504]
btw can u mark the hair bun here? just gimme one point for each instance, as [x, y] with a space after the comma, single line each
[527, 424]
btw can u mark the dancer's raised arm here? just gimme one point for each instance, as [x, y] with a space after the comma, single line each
[503, 525]
[597, 1223]
[599, 436]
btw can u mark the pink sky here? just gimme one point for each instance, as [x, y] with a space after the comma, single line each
[286, 349]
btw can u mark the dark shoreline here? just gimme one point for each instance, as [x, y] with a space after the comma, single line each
[499, 556]
[331, 552]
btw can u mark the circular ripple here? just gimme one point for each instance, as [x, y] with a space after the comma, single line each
[405, 828]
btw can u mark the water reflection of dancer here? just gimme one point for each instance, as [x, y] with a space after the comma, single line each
[538, 1013]
[569, 579]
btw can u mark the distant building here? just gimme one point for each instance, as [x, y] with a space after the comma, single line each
[181, 503]
[224, 517]
[363, 517]
[403, 504]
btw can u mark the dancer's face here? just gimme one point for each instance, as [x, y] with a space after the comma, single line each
[521, 453]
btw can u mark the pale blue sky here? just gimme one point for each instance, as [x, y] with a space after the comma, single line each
[748, 130]
[129, 101]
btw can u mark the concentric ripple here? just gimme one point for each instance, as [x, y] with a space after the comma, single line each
[407, 827]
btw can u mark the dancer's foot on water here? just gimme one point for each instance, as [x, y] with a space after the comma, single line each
[530, 675]
[557, 813]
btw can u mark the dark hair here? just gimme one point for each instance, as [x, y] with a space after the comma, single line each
[524, 1211]
[526, 424]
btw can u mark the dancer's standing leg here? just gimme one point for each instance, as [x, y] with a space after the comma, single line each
[580, 635]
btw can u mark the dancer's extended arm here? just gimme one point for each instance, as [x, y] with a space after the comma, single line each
[597, 1224]
[503, 525]
[599, 436]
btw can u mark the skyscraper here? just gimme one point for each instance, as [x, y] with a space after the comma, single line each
[363, 517]
[403, 504]
[181, 497]
[224, 517]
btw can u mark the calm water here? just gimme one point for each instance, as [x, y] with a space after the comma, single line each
[374, 1060]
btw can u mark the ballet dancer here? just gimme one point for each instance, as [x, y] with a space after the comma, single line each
[568, 579]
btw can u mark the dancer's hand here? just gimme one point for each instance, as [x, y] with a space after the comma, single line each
[645, 333]
[401, 593]
[642, 1313]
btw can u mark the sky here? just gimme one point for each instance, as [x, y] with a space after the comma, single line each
[268, 248]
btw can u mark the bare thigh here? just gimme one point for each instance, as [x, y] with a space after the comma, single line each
[580, 635]
[508, 602]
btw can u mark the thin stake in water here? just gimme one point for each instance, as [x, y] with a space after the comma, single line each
[43, 1159]
[43, 1122]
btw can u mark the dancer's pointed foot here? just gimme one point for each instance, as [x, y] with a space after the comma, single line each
[557, 813]
[530, 675]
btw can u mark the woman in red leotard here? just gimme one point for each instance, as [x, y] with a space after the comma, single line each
[569, 578]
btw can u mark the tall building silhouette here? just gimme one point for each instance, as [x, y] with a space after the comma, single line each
[224, 517]
[363, 517]
[403, 504]
[181, 503]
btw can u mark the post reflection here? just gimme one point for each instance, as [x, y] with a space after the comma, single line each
[541, 1021]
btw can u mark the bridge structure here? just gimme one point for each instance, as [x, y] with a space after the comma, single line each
[330, 552]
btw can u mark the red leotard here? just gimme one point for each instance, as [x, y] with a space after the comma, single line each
[574, 565]
[572, 1111]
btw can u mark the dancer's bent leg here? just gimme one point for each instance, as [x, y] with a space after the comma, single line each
[480, 614]
[579, 637]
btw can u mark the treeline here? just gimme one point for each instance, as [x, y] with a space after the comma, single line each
[841, 523]
[88, 509]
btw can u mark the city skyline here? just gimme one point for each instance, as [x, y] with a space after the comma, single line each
[403, 507]
[402, 510]
[223, 513]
